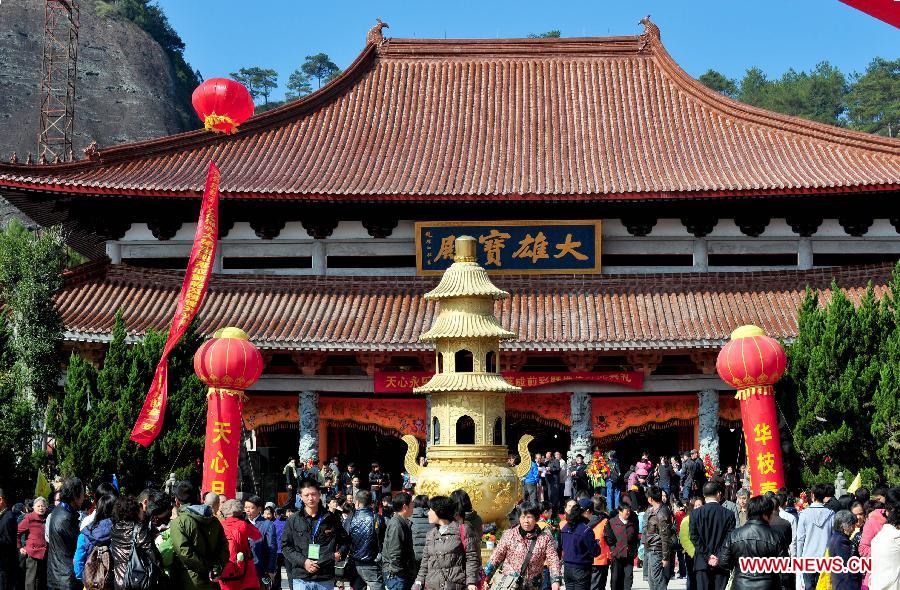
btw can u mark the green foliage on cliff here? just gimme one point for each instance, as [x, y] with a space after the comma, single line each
[147, 15]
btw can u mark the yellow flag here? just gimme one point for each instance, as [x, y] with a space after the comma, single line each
[43, 486]
[855, 485]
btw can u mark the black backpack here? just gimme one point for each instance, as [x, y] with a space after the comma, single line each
[141, 573]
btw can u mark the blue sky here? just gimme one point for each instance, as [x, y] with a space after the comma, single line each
[224, 35]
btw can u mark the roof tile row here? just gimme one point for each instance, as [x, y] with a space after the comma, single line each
[661, 311]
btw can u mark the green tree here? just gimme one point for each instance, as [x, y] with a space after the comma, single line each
[298, 84]
[886, 402]
[554, 34]
[93, 421]
[17, 425]
[259, 81]
[873, 100]
[835, 368]
[72, 422]
[755, 88]
[718, 82]
[31, 265]
[320, 67]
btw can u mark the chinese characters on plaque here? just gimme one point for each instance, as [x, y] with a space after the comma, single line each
[513, 247]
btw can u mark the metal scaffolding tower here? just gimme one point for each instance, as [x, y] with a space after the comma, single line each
[61, 19]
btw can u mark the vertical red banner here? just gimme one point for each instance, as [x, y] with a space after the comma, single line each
[760, 422]
[196, 280]
[223, 439]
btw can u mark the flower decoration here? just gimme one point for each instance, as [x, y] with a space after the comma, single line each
[597, 470]
[708, 465]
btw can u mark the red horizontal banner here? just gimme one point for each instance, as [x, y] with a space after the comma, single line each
[405, 381]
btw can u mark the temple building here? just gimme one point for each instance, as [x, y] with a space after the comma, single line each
[635, 217]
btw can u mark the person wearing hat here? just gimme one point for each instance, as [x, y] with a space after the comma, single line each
[579, 545]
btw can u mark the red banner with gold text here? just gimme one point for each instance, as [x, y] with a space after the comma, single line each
[196, 280]
[760, 422]
[405, 381]
[223, 437]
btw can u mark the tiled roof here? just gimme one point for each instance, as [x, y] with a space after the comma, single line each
[474, 120]
[658, 311]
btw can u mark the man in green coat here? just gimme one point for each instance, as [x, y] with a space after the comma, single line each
[201, 550]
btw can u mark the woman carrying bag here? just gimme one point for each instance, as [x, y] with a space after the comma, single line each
[522, 552]
[136, 563]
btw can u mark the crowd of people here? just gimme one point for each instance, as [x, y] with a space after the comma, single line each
[334, 530]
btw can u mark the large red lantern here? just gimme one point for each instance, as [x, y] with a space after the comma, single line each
[752, 363]
[222, 104]
[229, 364]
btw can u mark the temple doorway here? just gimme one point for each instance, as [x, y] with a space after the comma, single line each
[362, 446]
[658, 442]
[546, 437]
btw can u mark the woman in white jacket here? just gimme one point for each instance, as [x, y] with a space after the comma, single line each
[886, 547]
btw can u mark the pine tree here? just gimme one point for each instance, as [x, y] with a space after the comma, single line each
[835, 368]
[71, 421]
[885, 415]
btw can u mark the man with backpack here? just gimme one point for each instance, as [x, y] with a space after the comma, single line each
[201, 551]
[366, 530]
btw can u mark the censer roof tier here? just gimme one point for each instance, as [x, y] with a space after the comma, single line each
[462, 324]
[465, 277]
[467, 382]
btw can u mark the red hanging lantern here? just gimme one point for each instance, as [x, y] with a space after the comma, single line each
[752, 363]
[229, 364]
[222, 104]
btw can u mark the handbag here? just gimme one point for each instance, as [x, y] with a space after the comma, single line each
[515, 580]
[141, 571]
[97, 572]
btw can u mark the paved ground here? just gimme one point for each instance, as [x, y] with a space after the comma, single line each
[639, 583]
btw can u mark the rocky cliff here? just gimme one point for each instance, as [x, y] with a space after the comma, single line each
[126, 90]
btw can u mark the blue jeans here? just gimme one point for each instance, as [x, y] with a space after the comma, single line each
[309, 585]
[392, 582]
[612, 496]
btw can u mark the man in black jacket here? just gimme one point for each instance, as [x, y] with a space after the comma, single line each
[312, 542]
[9, 556]
[783, 528]
[63, 536]
[398, 554]
[709, 527]
[754, 539]
[366, 530]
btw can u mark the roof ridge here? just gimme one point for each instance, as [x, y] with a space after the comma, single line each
[763, 117]
[845, 276]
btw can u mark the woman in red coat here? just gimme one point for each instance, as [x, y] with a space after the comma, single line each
[35, 548]
[239, 573]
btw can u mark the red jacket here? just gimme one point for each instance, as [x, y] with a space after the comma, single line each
[35, 544]
[239, 533]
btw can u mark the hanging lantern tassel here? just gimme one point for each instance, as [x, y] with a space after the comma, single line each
[219, 124]
[752, 363]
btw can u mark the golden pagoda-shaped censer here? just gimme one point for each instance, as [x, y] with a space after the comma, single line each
[468, 395]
